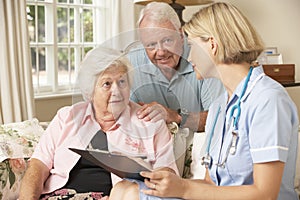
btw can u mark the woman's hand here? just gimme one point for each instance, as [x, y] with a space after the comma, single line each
[33, 181]
[163, 183]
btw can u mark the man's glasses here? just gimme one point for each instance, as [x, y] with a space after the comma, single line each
[165, 43]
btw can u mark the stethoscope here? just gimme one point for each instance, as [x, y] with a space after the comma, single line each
[207, 159]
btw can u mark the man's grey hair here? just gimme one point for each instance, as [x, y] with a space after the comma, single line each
[95, 62]
[160, 12]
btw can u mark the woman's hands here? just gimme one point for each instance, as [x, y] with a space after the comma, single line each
[163, 183]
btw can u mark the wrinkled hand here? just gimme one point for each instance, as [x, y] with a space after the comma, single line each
[155, 112]
[152, 112]
[163, 183]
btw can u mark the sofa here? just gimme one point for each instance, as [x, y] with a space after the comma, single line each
[18, 140]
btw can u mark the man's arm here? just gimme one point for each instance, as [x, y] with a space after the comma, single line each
[196, 121]
[33, 181]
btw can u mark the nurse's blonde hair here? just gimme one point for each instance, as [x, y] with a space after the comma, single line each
[236, 38]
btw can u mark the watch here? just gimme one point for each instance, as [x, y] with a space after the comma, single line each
[184, 113]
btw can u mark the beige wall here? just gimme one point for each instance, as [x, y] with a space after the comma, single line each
[276, 21]
[47, 107]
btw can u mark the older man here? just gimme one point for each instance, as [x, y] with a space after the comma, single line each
[164, 81]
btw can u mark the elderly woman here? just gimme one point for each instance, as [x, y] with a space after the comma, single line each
[105, 120]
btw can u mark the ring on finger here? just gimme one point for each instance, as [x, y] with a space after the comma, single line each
[154, 186]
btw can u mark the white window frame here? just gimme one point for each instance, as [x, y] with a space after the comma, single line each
[51, 45]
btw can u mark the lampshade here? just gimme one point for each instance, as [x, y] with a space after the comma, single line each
[181, 2]
[177, 5]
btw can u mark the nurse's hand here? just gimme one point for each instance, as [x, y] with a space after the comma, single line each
[163, 184]
[154, 112]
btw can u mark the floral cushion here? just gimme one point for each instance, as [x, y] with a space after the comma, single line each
[17, 143]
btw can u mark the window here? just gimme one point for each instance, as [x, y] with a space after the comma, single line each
[61, 33]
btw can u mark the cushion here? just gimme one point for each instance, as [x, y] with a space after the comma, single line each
[197, 170]
[17, 143]
[17, 140]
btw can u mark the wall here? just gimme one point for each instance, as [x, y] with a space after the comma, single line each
[276, 21]
[47, 107]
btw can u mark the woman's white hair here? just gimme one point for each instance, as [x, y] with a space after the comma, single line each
[95, 62]
[160, 12]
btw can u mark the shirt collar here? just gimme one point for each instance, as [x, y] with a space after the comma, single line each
[121, 122]
[257, 71]
[89, 113]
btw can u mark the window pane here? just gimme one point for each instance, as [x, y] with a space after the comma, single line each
[86, 49]
[42, 66]
[39, 76]
[62, 1]
[88, 1]
[62, 24]
[33, 62]
[72, 66]
[31, 22]
[65, 66]
[71, 24]
[41, 23]
[88, 25]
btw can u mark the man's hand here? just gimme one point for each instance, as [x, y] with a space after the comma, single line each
[155, 112]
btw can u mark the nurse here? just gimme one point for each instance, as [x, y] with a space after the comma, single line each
[252, 129]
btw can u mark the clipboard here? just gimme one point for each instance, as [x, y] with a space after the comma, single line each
[121, 165]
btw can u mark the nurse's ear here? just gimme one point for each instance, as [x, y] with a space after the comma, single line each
[213, 45]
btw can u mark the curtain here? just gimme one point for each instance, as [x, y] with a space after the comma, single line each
[123, 16]
[16, 90]
[121, 26]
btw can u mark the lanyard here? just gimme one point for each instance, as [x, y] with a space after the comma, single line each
[212, 130]
[237, 106]
[207, 159]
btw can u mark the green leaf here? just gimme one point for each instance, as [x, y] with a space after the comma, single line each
[11, 176]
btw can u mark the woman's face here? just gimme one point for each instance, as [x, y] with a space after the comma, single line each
[112, 90]
[201, 58]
